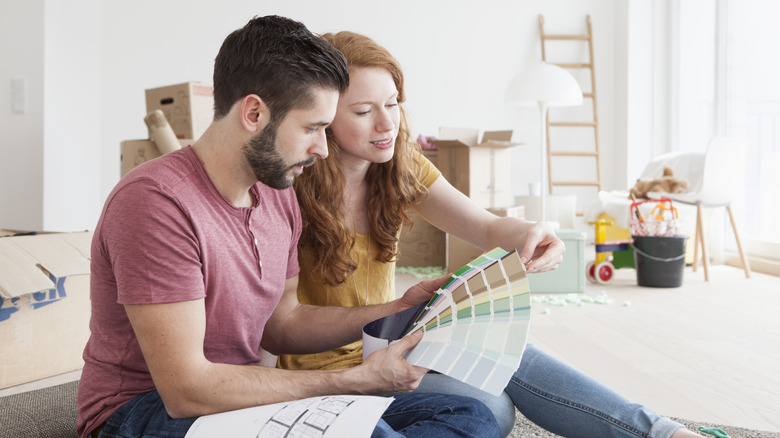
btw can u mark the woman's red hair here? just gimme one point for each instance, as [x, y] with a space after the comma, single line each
[393, 186]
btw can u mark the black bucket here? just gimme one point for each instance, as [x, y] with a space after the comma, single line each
[659, 261]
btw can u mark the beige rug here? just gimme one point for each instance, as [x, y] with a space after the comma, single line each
[526, 429]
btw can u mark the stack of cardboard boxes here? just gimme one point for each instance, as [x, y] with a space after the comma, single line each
[480, 170]
[189, 109]
[44, 277]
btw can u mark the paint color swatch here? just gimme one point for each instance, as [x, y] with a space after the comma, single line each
[475, 326]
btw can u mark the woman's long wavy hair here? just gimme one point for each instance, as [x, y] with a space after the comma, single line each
[393, 186]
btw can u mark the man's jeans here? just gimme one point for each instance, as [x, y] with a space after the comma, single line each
[410, 415]
[436, 416]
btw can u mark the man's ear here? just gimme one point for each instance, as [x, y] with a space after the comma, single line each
[254, 114]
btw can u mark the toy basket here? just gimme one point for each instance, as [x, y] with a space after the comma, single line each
[662, 221]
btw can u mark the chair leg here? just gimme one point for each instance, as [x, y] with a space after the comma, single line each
[704, 258]
[745, 263]
[696, 245]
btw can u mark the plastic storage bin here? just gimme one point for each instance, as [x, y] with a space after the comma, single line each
[570, 275]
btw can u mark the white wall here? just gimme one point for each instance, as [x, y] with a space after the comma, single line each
[21, 134]
[458, 58]
[48, 170]
[72, 115]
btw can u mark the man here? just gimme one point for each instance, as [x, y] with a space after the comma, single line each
[194, 265]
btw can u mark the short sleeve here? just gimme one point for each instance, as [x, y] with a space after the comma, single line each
[151, 244]
[428, 172]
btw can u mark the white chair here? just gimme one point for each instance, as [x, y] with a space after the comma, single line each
[722, 174]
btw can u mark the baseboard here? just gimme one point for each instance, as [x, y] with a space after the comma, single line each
[757, 264]
[42, 383]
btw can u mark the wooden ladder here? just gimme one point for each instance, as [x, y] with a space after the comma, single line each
[594, 123]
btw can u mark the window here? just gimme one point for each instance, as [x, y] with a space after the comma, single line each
[728, 86]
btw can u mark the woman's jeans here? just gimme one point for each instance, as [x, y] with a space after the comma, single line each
[560, 399]
[410, 415]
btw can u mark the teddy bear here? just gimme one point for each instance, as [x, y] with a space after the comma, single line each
[666, 184]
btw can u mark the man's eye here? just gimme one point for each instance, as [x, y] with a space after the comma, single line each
[362, 113]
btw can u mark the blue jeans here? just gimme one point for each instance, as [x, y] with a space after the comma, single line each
[410, 415]
[560, 399]
[143, 416]
[436, 415]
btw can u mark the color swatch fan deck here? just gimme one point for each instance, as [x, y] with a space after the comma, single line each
[475, 326]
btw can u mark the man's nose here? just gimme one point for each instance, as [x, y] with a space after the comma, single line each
[320, 146]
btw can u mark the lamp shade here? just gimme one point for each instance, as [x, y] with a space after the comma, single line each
[544, 83]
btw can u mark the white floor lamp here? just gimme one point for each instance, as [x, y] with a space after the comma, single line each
[546, 85]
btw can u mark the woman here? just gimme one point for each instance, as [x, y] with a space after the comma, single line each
[353, 205]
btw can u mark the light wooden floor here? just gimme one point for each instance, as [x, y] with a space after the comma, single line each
[707, 351]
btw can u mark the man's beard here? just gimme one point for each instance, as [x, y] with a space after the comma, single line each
[263, 155]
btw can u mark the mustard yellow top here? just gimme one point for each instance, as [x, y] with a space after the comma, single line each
[373, 282]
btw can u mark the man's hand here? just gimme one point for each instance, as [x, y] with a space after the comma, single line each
[420, 293]
[386, 371]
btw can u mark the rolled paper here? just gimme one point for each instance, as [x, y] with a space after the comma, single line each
[161, 133]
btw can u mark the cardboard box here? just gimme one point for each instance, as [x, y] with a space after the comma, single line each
[45, 307]
[422, 246]
[481, 170]
[189, 107]
[460, 252]
[134, 152]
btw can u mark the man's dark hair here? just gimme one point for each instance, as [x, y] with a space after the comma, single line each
[278, 59]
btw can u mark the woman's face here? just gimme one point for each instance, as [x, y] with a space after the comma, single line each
[367, 116]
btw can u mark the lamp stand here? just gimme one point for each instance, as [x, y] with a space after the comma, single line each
[545, 186]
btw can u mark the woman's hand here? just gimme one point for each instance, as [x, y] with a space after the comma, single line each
[543, 250]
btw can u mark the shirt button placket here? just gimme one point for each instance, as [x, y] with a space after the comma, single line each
[256, 249]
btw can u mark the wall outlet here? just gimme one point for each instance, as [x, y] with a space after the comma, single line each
[18, 96]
